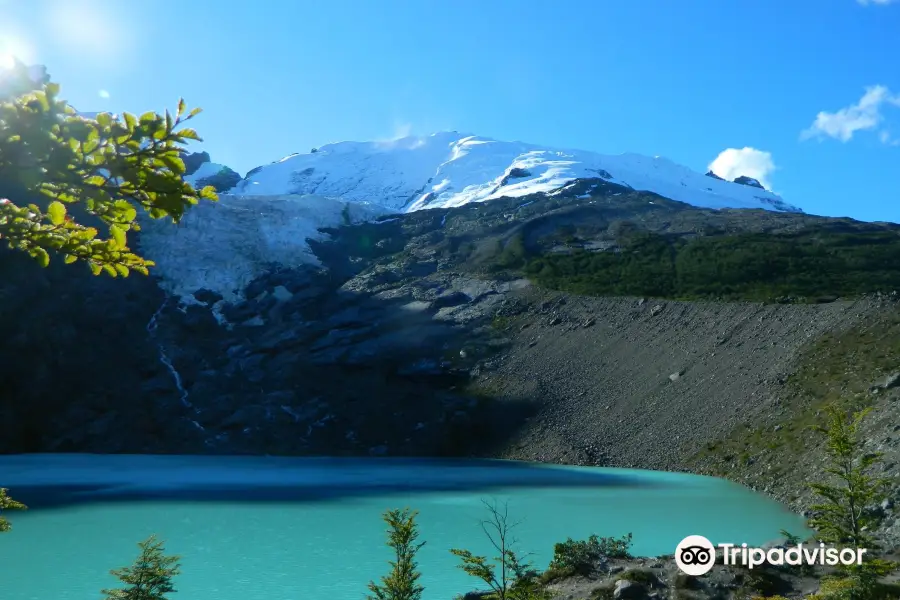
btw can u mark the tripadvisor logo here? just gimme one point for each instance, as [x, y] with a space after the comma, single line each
[695, 555]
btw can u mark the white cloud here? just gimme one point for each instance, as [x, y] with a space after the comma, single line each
[864, 115]
[734, 162]
[103, 94]
[886, 138]
[879, 2]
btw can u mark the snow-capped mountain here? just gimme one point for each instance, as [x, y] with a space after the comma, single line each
[452, 169]
[270, 215]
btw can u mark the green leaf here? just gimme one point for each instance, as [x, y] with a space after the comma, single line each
[57, 212]
[130, 122]
[121, 269]
[175, 164]
[41, 255]
[95, 268]
[69, 259]
[195, 112]
[118, 236]
[182, 106]
[188, 134]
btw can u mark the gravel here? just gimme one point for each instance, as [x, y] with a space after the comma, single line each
[626, 383]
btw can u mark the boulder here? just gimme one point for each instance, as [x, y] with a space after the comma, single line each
[629, 590]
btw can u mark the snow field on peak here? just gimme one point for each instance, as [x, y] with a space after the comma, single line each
[451, 169]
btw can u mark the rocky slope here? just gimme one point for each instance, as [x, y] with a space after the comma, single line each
[428, 334]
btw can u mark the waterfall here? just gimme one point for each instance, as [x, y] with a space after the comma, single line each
[152, 326]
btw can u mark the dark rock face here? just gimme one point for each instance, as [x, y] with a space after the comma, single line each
[305, 366]
[744, 180]
[77, 358]
[193, 161]
[515, 173]
[222, 181]
[714, 176]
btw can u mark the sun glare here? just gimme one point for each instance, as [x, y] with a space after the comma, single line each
[12, 49]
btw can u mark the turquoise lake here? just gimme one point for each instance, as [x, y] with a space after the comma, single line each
[260, 528]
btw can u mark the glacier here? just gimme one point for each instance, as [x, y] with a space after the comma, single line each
[223, 246]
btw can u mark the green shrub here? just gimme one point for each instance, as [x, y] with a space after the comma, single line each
[815, 264]
[581, 556]
[683, 581]
[643, 576]
[555, 574]
[603, 592]
[149, 578]
[402, 581]
[7, 503]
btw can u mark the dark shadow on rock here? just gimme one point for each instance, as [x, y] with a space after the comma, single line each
[308, 368]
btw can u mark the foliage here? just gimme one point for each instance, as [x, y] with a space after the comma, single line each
[108, 167]
[683, 581]
[509, 577]
[402, 581]
[7, 503]
[842, 516]
[642, 576]
[859, 582]
[812, 264]
[512, 255]
[790, 539]
[150, 577]
[582, 556]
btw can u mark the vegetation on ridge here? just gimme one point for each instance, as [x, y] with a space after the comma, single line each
[812, 264]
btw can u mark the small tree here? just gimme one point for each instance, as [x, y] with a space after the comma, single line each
[7, 503]
[108, 166]
[402, 581]
[150, 577]
[842, 516]
[510, 577]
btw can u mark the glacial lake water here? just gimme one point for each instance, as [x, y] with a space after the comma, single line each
[260, 528]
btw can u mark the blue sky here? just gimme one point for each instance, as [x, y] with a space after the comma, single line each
[810, 88]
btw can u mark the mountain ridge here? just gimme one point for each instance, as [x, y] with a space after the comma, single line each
[451, 169]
